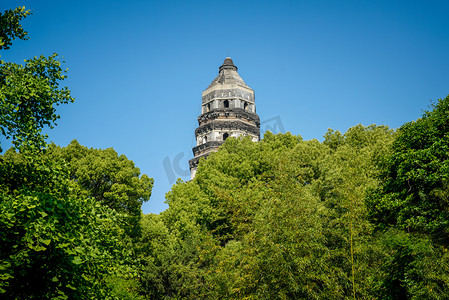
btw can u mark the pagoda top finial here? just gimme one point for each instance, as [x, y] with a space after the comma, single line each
[227, 74]
[228, 64]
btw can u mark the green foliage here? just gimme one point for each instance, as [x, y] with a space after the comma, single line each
[54, 245]
[111, 179]
[414, 195]
[279, 219]
[410, 208]
[75, 214]
[413, 268]
[30, 92]
[169, 264]
[10, 27]
[283, 252]
[28, 96]
[31, 170]
[55, 241]
[123, 287]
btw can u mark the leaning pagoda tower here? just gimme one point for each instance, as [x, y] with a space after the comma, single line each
[227, 110]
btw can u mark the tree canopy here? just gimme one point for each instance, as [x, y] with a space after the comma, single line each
[110, 179]
[60, 236]
[286, 218]
[282, 218]
[414, 195]
[29, 93]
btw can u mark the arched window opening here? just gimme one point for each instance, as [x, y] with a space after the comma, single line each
[226, 104]
[205, 140]
[225, 136]
[245, 106]
[208, 107]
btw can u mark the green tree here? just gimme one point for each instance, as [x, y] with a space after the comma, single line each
[410, 208]
[347, 172]
[28, 96]
[10, 27]
[415, 192]
[169, 263]
[110, 179]
[54, 243]
[30, 92]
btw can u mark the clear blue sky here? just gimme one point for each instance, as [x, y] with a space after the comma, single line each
[137, 68]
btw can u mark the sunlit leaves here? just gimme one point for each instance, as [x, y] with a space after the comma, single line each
[29, 95]
[415, 191]
[10, 27]
[111, 179]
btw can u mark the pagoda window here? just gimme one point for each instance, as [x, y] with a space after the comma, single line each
[226, 104]
[225, 136]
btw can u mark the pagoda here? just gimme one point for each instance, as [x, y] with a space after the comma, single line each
[228, 109]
